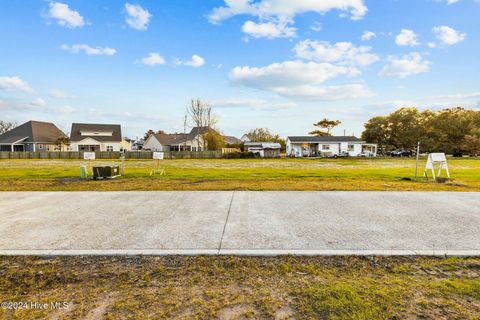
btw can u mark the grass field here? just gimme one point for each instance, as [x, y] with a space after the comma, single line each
[242, 174]
[239, 288]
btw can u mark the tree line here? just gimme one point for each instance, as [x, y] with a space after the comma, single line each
[451, 130]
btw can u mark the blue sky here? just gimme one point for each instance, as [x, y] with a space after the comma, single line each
[278, 64]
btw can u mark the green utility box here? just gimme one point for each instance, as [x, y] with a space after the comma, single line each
[106, 172]
[83, 172]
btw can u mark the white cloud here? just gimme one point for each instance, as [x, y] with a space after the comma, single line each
[368, 35]
[449, 2]
[14, 83]
[268, 30]
[286, 9]
[407, 37]
[196, 61]
[137, 17]
[286, 73]
[316, 26]
[298, 79]
[448, 36]
[402, 67]
[341, 52]
[254, 104]
[58, 94]
[90, 51]
[153, 59]
[432, 45]
[39, 102]
[64, 16]
[326, 93]
[67, 109]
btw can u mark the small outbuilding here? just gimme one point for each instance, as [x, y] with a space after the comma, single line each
[264, 149]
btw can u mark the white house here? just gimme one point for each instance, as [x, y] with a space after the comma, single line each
[97, 137]
[192, 141]
[330, 146]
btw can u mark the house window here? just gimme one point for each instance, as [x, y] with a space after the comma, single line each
[325, 147]
[174, 148]
[351, 147]
[109, 148]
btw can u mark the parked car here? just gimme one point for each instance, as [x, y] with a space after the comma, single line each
[401, 153]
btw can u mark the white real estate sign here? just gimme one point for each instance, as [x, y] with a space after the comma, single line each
[158, 155]
[89, 155]
[439, 160]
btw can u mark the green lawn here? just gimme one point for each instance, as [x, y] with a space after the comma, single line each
[243, 287]
[241, 174]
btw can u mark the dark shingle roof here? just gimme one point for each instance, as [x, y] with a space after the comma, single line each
[175, 138]
[33, 131]
[324, 139]
[178, 138]
[77, 128]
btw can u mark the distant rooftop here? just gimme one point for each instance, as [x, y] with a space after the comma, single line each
[324, 139]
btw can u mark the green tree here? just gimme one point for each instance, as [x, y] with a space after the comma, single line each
[264, 135]
[213, 140]
[471, 144]
[61, 142]
[325, 126]
[377, 130]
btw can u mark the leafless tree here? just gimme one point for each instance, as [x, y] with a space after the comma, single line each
[6, 126]
[201, 115]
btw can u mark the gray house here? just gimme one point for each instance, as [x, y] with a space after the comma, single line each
[33, 136]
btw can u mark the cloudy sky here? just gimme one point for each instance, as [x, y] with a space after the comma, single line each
[279, 64]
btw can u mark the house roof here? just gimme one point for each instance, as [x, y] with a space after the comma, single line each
[263, 145]
[179, 138]
[232, 140]
[175, 138]
[324, 139]
[115, 129]
[33, 132]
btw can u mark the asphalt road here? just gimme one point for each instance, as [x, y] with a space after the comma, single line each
[251, 223]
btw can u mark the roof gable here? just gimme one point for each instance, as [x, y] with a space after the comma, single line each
[98, 132]
[33, 132]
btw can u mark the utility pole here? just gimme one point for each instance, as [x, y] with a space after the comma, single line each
[418, 154]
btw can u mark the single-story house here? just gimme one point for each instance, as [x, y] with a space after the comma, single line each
[97, 137]
[263, 149]
[33, 136]
[192, 141]
[312, 146]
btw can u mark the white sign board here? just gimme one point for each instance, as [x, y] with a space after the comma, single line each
[89, 155]
[158, 155]
[439, 160]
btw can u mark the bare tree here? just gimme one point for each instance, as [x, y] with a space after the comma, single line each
[6, 126]
[201, 115]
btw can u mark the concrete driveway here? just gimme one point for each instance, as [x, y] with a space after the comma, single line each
[253, 223]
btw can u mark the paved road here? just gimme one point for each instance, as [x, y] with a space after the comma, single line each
[329, 223]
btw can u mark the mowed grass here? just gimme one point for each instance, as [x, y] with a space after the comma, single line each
[243, 287]
[241, 174]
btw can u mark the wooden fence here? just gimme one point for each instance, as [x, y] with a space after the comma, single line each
[111, 155]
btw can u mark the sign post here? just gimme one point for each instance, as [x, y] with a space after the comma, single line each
[89, 156]
[416, 164]
[157, 169]
[438, 160]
